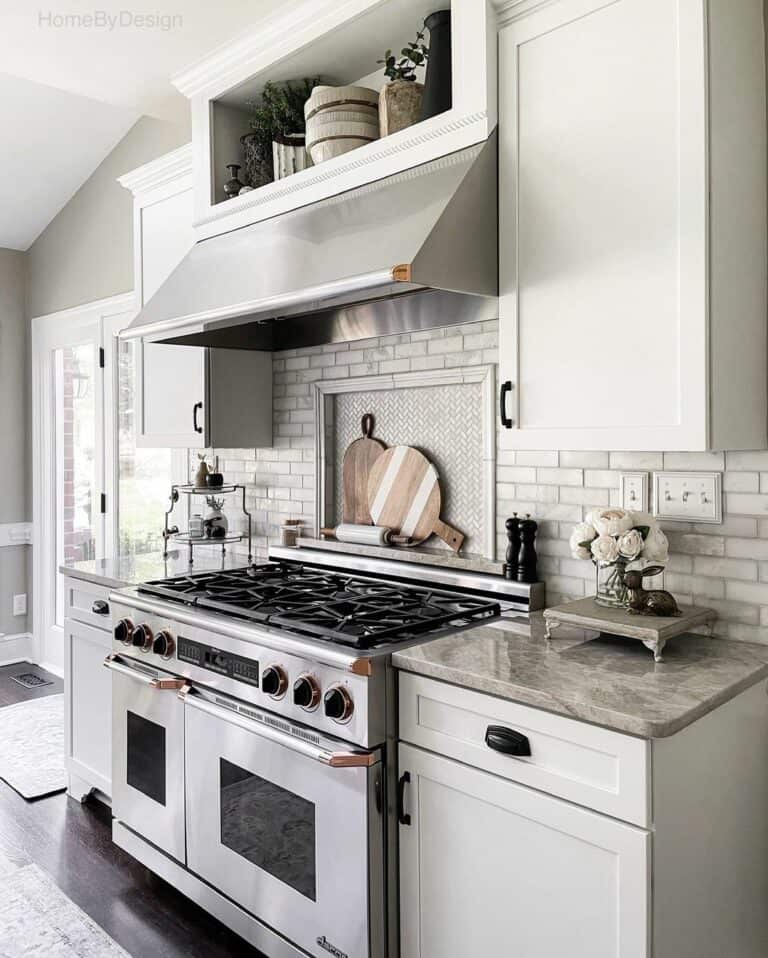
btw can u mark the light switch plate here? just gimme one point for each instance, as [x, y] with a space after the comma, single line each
[688, 496]
[20, 604]
[633, 491]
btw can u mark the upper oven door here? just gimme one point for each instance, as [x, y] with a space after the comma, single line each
[148, 753]
[286, 823]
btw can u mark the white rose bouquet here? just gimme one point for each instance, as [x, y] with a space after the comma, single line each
[615, 539]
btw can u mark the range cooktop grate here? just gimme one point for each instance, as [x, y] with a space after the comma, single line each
[351, 610]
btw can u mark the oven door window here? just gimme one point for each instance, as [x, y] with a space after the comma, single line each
[269, 826]
[146, 757]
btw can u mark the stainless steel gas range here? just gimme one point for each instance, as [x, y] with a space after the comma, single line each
[254, 719]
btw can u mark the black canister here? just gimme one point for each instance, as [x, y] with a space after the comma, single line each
[438, 84]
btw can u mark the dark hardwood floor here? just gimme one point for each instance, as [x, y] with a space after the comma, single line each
[72, 843]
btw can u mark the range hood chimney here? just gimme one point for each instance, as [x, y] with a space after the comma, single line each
[340, 269]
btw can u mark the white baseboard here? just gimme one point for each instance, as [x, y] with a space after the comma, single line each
[18, 647]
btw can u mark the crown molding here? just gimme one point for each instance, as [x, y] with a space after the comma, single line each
[158, 172]
[277, 35]
[508, 11]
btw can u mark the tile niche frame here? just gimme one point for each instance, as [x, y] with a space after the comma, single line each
[485, 375]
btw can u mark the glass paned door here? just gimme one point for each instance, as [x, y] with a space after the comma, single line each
[78, 526]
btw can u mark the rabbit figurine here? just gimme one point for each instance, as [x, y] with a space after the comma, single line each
[649, 601]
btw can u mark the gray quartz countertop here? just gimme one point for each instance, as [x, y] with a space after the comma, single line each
[128, 570]
[610, 682]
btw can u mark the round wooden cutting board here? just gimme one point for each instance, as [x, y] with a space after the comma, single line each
[355, 470]
[404, 494]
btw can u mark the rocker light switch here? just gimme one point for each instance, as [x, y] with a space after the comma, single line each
[688, 496]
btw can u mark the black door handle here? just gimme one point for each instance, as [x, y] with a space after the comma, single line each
[505, 388]
[197, 428]
[402, 815]
[507, 741]
[100, 607]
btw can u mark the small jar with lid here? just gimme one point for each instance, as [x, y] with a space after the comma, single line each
[290, 531]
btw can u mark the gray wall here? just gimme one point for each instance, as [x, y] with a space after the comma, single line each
[86, 252]
[15, 505]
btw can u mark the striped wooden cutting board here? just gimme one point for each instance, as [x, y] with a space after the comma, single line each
[404, 494]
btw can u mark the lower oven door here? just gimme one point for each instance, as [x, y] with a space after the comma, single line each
[288, 824]
[148, 753]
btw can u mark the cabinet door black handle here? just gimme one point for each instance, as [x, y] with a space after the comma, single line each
[507, 741]
[402, 815]
[198, 405]
[100, 607]
[505, 388]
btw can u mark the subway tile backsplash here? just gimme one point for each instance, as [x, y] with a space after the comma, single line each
[724, 566]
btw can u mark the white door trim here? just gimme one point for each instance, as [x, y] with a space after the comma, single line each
[51, 331]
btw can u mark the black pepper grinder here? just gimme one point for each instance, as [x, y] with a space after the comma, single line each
[526, 560]
[509, 568]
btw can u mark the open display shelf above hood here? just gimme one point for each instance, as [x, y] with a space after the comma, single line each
[336, 270]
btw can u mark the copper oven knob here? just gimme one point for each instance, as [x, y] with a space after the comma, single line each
[338, 703]
[274, 682]
[306, 692]
[142, 638]
[164, 644]
[124, 631]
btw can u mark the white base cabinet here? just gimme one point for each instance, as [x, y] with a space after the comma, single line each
[490, 866]
[87, 690]
[632, 206]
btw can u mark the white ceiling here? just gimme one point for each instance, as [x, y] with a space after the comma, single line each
[70, 91]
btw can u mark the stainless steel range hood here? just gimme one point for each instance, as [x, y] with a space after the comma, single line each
[340, 268]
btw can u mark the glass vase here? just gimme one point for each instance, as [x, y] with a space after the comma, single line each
[611, 591]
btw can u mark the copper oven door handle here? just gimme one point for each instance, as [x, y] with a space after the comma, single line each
[169, 684]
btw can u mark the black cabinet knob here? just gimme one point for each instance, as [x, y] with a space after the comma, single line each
[100, 607]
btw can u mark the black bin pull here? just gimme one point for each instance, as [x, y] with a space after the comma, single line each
[100, 607]
[507, 741]
[402, 816]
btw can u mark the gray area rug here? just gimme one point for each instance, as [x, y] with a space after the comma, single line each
[32, 746]
[37, 920]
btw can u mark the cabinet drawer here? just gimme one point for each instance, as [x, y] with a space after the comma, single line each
[594, 767]
[88, 603]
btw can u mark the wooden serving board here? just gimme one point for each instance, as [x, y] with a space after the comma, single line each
[356, 467]
[404, 494]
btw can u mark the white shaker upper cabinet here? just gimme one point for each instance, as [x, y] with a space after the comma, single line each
[170, 384]
[633, 224]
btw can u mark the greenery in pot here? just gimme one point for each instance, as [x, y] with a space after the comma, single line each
[279, 111]
[412, 56]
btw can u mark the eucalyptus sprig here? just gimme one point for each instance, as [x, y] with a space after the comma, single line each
[412, 56]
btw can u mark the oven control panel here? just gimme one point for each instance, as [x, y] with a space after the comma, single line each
[302, 688]
[215, 660]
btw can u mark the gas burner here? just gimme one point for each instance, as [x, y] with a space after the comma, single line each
[351, 610]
